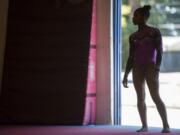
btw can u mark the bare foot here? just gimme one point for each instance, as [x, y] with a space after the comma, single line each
[143, 129]
[166, 130]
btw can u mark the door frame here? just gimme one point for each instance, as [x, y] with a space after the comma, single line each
[116, 61]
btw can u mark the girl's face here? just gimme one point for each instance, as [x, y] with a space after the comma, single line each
[138, 18]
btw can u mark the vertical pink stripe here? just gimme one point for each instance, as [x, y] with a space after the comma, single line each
[90, 108]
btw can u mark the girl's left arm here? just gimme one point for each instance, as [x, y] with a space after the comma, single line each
[159, 49]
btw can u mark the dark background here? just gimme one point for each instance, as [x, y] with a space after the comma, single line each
[46, 62]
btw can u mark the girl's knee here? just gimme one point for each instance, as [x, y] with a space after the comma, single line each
[141, 101]
[157, 100]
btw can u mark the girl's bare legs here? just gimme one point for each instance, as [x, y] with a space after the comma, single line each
[139, 84]
[142, 108]
[152, 79]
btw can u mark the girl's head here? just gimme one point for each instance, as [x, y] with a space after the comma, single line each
[141, 15]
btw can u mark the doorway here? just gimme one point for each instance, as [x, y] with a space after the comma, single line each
[163, 16]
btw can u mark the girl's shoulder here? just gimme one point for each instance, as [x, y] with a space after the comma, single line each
[154, 30]
[132, 36]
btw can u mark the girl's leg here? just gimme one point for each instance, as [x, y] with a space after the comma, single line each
[139, 85]
[152, 78]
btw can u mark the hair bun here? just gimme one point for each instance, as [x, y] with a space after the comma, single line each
[147, 7]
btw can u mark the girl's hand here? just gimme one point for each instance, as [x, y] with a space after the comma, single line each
[125, 82]
[157, 68]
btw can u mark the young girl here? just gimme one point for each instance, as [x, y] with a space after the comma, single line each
[145, 57]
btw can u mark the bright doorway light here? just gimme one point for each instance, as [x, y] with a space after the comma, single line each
[170, 69]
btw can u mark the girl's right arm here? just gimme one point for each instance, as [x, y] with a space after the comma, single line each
[129, 64]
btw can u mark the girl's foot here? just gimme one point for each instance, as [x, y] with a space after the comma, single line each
[143, 129]
[166, 130]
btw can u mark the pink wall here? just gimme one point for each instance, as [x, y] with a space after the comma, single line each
[103, 63]
[90, 108]
[98, 100]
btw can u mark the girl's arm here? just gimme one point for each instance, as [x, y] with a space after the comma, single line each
[159, 49]
[129, 64]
